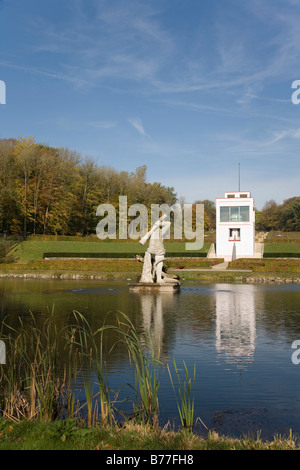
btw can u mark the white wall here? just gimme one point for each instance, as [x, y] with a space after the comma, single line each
[245, 246]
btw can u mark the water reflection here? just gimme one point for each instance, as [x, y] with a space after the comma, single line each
[154, 308]
[239, 337]
[235, 323]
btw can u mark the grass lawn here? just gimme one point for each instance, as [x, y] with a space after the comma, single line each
[282, 248]
[282, 243]
[35, 249]
[67, 435]
[267, 265]
[279, 237]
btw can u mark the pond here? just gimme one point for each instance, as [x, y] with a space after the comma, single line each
[238, 336]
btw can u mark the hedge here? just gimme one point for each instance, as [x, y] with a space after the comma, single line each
[183, 254]
[281, 255]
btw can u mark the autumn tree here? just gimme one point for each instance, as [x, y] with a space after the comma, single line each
[56, 191]
[26, 154]
[8, 187]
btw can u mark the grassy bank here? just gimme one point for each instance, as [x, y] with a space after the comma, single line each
[69, 435]
[104, 265]
[30, 262]
[185, 275]
[109, 269]
[267, 265]
[282, 244]
[34, 249]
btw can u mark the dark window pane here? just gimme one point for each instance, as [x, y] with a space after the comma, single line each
[234, 215]
[224, 214]
[244, 212]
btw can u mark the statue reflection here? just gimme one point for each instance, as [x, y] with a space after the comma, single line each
[235, 323]
[154, 309]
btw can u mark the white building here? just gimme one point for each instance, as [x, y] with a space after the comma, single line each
[235, 226]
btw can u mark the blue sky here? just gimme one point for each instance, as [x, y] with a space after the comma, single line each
[188, 88]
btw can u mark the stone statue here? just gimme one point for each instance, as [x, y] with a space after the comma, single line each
[155, 254]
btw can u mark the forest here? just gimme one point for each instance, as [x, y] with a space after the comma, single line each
[283, 217]
[45, 190]
[56, 191]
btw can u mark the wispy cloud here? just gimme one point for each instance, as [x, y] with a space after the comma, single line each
[77, 81]
[138, 125]
[103, 44]
[290, 134]
[103, 124]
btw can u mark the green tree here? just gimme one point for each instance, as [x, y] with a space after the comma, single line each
[289, 215]
[8, 187]
[269, 216]
[25, 152]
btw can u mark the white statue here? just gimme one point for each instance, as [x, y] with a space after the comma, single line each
[155, 254]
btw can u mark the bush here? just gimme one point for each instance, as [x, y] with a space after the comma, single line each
[267, 265]
[183, 254]
[281, 255]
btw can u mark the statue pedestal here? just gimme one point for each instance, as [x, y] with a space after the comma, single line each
[154, 287]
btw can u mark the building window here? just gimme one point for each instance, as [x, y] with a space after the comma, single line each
[244, 213]
[224, 214]
[234, 234]
[235, 214]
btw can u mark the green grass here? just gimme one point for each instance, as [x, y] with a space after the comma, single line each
[267, 265]
[35, 249]
[103, 265]
[280, 237]
[72, 435]
[282, 247]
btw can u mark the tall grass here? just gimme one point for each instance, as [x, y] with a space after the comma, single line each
[146, 374]
[185, 401]
[91, 348]
[46, 367]
[30, 382]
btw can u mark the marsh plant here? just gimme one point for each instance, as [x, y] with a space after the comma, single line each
[184, 397]
[46, 367]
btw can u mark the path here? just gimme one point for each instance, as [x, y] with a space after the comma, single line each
[220, 266]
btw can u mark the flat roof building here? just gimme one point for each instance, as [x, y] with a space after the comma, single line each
[235, 226]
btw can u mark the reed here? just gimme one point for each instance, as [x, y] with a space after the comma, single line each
[46, 366]
[100, 406]
[146, 373]
[185, 401]
[30, 381]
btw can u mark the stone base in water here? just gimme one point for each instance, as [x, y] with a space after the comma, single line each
[154, 287]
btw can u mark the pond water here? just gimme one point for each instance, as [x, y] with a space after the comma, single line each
[238, 336]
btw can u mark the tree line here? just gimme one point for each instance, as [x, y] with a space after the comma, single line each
[283, 217]
[46, 190]
[56, 191]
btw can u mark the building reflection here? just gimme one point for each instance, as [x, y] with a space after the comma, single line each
[235, 323]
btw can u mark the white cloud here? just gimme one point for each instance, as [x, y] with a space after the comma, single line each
[284, 134]
[138, 125]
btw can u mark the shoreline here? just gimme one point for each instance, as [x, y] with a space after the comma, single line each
[244, 277]
[60, 435]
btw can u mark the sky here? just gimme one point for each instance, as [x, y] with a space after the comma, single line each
[189, 88]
